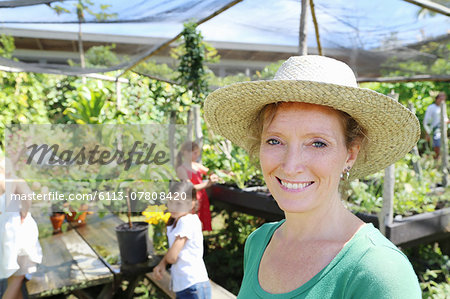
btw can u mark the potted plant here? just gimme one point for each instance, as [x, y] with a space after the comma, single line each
[133, 239]
[76, 214]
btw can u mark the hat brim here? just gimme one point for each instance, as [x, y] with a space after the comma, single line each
[392, 130]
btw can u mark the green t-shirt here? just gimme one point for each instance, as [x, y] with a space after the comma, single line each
[369, 266]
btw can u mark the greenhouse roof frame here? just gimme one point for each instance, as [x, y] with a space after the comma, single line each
[355, 54]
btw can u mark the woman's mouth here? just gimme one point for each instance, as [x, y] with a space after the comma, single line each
[294, 186]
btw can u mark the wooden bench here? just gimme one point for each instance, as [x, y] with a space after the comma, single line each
[81, 258]
[217, 292]
[69, 264]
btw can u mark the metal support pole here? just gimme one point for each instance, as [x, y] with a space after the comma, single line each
[172, 145]
[198, 135]
[444, 144]
[415, 151]
[386, 216]
[316, 28]
[303, 36]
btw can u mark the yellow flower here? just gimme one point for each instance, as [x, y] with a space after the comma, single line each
[155, 214]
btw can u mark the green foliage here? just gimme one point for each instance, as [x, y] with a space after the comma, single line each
[192, 54]
[221, 154]
[22, 96]
[432, 268]
[87, 6]
[433, 61]
[101, 56]
[151, 68]
[7, 46]
[86, 105]
[57, 90]
[224, 81]
[411, 195]
[225, 254]
[147, 290]
[421, 94]
[269, 71]
[21, 100]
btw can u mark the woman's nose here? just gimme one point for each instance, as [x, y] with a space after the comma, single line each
[293, 161]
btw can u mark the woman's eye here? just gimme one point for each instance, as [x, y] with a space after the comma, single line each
[273, 141]
[319, 144]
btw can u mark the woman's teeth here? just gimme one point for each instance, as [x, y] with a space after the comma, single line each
[296, 185]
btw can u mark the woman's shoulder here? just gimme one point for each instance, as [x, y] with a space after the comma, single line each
[373, 240]
[379, 266]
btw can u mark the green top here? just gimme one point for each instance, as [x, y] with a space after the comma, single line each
[369, 266]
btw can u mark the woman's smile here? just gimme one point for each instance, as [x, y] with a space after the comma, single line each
[294, 186]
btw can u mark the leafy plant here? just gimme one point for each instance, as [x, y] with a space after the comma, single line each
[225, 253]
[7, 46]
[411, 195]
[221, 154]
[432, 267]
[101, 56]
[192, 54]
[87, 107]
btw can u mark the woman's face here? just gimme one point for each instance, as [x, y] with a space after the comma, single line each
[302, 155]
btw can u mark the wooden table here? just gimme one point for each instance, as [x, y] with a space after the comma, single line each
[75, 261]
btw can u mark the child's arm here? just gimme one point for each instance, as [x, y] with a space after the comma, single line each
[170, 257]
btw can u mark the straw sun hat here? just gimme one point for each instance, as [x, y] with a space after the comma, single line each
[392, 130]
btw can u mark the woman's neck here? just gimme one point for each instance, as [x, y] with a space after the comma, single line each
[332, 222]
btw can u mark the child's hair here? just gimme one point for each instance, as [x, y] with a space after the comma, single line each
[184, 187]
[188, 146]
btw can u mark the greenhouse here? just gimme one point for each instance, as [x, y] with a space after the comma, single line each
[224, 148]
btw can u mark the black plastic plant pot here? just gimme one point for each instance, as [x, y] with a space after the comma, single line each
[133, 242]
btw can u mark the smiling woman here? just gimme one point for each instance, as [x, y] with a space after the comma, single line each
[303, 152]
[312, 127]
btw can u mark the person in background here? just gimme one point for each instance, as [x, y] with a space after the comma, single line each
[20, 251]
[432, 123]
[311, 128]
[185, 254]
[188, 168]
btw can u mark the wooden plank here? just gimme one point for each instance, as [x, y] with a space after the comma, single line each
[253, 203]
[68, 264]
[100, 234]
[416, 78]
[163, 284]
[432, 225]
[219, 292]
[430, 5]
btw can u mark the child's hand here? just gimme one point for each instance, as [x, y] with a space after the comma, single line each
[158, 271]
